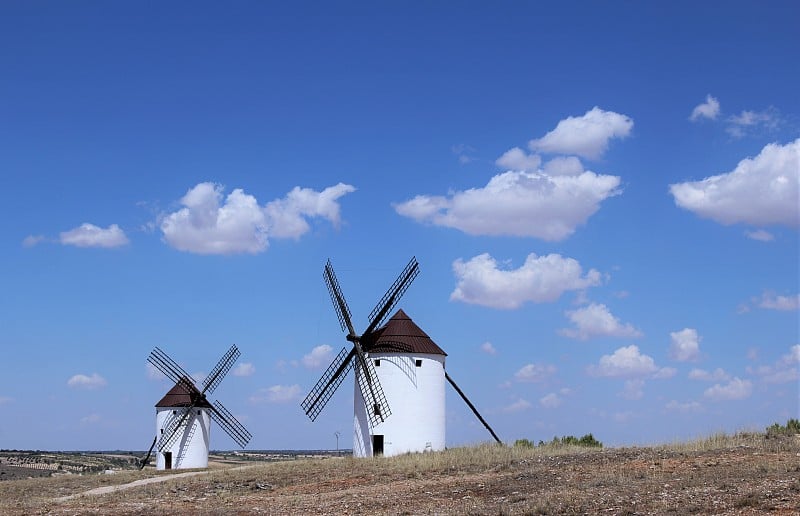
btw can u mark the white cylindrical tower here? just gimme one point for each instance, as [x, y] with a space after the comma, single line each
[411, 370]
[190, 447]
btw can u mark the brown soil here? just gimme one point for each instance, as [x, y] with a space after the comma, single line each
[740, 479]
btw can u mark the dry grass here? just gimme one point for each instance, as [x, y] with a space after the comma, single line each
[741, 474]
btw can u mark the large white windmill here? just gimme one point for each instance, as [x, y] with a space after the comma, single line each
[397, 362]
[183, 415]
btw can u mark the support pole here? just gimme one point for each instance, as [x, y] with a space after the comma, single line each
[469, 403]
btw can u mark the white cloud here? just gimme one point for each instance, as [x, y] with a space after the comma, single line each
[488, 348]
[152, 372]
[287, 216]
[535, 373]
[517, 203]
[624, 362]
[320, 356]
[753, 122]
[685, 345]
[759, 191]
[717, 375]
[464, 153]
[540, 279]
[778, 374]
[784, 370]
[771, 301]
[550, 401]
[665, 373]
[81, 381]
[586, 135]
[518, 159]
[518, 406]
[207, 225]
[793, 357]
[736, 389]
[708, 109]
[89, 235]
[32, 240]
[276, 394]
[91, 419]
[596, 320]
[689, 406]
[244, 369]
[563, 166]
[199, 377]
[5, 399]
[760, 235]
[633, 389]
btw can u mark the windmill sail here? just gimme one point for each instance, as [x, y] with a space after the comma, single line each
[374, 397]
[230, 424]
[393, 295]
[185, 396]
[367, 380]
[172, 429]
[323, 390]
[224, 365]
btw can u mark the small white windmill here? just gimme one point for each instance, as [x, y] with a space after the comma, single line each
[183, 415]
[398, 361]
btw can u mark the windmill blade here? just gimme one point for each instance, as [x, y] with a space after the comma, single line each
[470, 405]
[393, 295]
[172, 428]
[371, 390]
[220, 370]
[339, 304]
[171, 369]
[230, 424]
[330, 380]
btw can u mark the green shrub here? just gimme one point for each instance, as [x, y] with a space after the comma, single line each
[792, 427]
[523, 443]
[587, 441]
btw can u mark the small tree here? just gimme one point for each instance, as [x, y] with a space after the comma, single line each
[792, 427]
[589, 441]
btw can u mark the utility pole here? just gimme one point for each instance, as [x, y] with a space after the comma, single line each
[337, 434]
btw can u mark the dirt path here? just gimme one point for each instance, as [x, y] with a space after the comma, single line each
[136, 483]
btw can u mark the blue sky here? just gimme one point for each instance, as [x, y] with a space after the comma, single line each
[603, 200]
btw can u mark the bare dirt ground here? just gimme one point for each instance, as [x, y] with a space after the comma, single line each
[738, 476]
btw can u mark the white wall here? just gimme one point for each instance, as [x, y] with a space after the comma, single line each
[190, 449]
[416, 399]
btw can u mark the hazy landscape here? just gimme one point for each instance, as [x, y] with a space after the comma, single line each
[745, 473]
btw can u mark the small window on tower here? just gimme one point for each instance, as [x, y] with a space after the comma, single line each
[377, 362]
[418, 363]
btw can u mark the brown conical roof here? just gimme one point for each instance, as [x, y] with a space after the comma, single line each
[401, 334]
[183, 394]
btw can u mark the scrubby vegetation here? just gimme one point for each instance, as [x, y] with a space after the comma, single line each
[792, 427]
[587, 441]
[720, 474]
